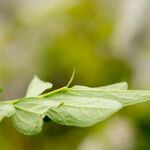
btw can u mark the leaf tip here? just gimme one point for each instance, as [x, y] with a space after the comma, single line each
[37, 86]
[72, 78]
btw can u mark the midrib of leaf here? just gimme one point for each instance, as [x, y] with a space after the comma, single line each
[23, 109]
[28, 110]
[126, 97]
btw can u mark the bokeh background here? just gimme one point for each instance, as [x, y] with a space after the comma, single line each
[106, 41]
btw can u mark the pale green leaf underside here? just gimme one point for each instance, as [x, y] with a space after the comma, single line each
[77, 106]
[28, 118]
[83, 110]
[37, 86]
[103, 102]
[117, 86]
[126, 97]
[6, 110]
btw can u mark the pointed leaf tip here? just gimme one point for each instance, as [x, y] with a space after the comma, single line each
[117, 86]
[37, 86]
[72, 78]
[6, 110]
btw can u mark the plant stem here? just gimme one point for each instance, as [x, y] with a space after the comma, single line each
[9, 102]
[65, 88]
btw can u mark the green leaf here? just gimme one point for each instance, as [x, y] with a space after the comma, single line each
[82, 111]
[6, 110]
[116, 86]
[28, 118]
[77, 106]
[130, 97]
[85, 106]
[126, 97]
[37, 86]
[27, 123]
[82, 106]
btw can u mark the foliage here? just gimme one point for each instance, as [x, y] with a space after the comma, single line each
[76, 106]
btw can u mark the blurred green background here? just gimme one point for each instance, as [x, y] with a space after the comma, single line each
[106, 41]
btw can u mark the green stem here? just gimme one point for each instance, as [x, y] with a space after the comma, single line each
[65, 88]
[41, 96]
[10, 101]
